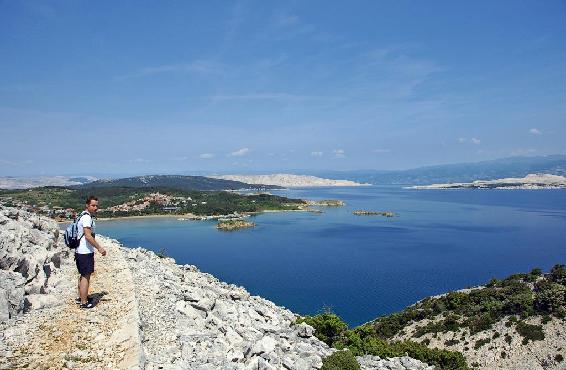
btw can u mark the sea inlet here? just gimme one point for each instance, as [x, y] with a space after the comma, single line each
[364, 267]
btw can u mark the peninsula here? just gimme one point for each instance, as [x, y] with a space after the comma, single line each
[531, 181]
[62, 203]
[288, 180]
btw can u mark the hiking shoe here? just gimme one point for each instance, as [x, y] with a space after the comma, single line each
[78, 300]
[88, 304]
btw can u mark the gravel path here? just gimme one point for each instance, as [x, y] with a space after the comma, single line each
[63, 336]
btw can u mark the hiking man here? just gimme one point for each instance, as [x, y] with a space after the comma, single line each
[84, 254]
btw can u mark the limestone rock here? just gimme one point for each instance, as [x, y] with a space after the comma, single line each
[304, 330]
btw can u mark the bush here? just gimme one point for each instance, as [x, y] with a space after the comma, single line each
[451, 342]
[328, 326]
[530, 332]
[492, 283]
[162, 253]
[341, 360]
[442, 359]
[550, 296]
[481, 342]
[558, 274]
[480, 323]
[559, 358]
[508, 338]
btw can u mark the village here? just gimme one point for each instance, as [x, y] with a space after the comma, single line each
[162, 201]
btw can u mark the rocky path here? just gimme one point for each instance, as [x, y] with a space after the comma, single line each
[64, 336]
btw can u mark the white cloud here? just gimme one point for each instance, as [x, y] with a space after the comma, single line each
[239, 152]
[339, 153]
[277, 96]
[535, 131]
[15, 163]
[287, 20]
[140, 160]
[473, 140]
[316, 154]
[206, 155]
[199, 66]
[521, 151]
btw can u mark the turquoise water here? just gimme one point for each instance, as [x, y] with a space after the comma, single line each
[365, 266]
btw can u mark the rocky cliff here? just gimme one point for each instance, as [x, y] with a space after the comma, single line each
[150, 312]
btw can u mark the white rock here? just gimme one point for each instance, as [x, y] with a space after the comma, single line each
[264, 345]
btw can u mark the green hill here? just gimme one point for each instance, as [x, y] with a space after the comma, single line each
[177, 182]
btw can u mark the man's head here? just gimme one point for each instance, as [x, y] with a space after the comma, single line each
[92, 204]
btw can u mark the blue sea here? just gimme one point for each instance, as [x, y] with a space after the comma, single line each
[361, 267]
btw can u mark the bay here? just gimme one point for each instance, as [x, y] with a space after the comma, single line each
[361, 267]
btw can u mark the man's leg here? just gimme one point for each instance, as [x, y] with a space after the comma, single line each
[84, 283]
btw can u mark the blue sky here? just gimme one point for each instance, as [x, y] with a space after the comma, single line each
[179, 86]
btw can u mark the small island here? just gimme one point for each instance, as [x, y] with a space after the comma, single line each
[374, 213]
[234, 224]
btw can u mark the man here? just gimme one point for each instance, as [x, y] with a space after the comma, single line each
[84, 254]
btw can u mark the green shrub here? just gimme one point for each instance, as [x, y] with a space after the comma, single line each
[328, 326]
[481, 342]
[508, 338]
[530, 332]
[536, 272]
[341, 360]
[442, 359]
[162, 253]
[480, 323]
[550, 296]
[492, 283]
[558, 274]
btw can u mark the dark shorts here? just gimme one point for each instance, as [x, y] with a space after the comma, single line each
[85, 263]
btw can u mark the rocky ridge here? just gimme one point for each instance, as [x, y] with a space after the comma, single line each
[288, 180]
[531, 181]
[150, 312]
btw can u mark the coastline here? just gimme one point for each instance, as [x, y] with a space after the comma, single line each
[193, 217]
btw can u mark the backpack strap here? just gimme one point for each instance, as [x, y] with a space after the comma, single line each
[78, 219]
[81, 215]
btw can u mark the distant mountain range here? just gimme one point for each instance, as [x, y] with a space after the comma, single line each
[460, 172]
[174, 182]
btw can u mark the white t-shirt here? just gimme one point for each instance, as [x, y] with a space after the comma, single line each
[85, 221]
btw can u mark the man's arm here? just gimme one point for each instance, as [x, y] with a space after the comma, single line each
[92, 241]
